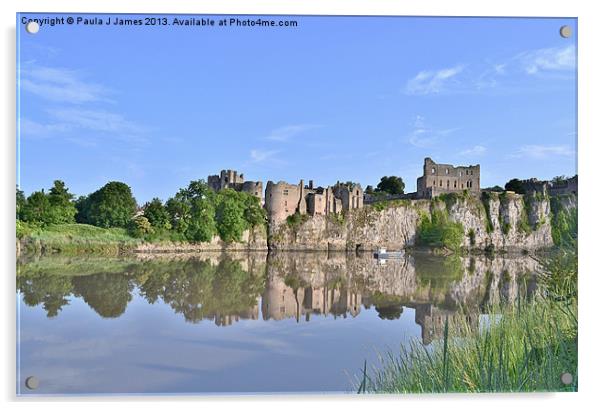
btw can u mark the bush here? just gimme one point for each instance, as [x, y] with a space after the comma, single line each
[157, 215]
[295, 220]
[438, 231]
[485, 198]
[140, 227]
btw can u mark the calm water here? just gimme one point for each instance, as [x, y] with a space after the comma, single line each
[293, 322]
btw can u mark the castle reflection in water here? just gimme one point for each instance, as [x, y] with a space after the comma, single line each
[226, 288]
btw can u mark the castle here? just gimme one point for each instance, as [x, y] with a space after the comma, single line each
[233, 180]
[439, 179]
[283, 199]
[552, 188]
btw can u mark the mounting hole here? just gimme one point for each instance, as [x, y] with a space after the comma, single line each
[566, 31]
[32, 382]
[32, 27]
[566, 378]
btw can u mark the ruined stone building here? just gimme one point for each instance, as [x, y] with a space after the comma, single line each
[535, 185]
[233, 180]
[283, 199]
[444, 178]
[567, 186]
[562, 187]
[352, 196]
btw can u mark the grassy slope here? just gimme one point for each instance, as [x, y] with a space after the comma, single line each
[76, 238]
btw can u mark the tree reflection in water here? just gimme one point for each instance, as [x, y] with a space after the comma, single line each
[225, 288]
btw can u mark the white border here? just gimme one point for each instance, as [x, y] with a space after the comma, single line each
[589, 215]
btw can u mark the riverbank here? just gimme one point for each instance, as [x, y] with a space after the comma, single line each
[525, 346]
[76, 239]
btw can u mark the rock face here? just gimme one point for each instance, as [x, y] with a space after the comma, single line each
[504, 221]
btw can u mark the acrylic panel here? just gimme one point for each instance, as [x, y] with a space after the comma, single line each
[295, 204]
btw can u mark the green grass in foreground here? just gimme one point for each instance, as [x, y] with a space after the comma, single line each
[528, 349]
[75, 238]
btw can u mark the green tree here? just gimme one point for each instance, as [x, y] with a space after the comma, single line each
[179, 213]
[495, 188]
[20, 202]
[139, 227]
[201, 226]
[61, 201]
[230, 215]
[254, 213]
[157, 214]
[515, 185]
[391, 184]
[37, 208]
[82, 209]
[111, 206]
[192, 211]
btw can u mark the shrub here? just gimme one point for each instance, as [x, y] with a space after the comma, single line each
[471, 237]
[295, 220]
[485, 198]
[139, 227]
[438, 231]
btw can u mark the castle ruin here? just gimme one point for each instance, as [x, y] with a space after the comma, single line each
[233, 180]
[283, 199]
[439, 179]
[563, 186]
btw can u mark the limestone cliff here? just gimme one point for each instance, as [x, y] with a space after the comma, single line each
[503, 221]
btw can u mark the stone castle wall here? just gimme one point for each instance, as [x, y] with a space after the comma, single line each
[444, 178]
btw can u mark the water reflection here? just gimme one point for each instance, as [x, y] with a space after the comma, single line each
[226, 288]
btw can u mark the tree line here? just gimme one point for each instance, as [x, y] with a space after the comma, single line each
[195, 213]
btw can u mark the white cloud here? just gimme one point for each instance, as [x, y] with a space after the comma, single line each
[68, 123]
[95, 120]
[424, 136]
[432, 82]
[61, 85]
[544, 151]
[71, 118]
[259, 155]
[36, 129]
[507, 74]
[548, 59]
[287, 132]
[474, 151]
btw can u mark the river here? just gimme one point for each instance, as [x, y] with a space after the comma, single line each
[241, 322]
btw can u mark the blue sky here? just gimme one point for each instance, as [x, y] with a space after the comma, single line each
[336, 98]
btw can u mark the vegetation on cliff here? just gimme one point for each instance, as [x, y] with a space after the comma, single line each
[564, 221]
[435, 229]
